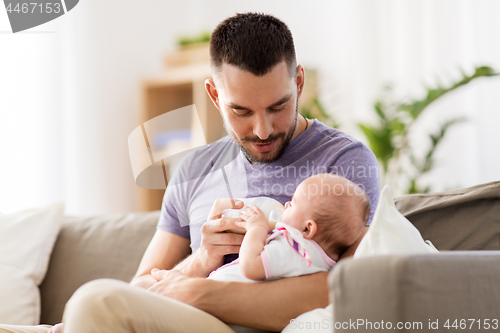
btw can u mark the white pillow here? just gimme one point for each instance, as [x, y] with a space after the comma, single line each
[391, 233]
[26, 242]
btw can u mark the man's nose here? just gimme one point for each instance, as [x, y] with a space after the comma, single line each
[263, 126]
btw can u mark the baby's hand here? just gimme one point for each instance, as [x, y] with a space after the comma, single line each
[254, 217]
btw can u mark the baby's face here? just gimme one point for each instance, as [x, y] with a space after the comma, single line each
[298, 211]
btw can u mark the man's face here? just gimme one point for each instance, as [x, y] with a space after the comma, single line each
[259, 112]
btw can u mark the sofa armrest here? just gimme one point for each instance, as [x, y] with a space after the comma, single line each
[417, 289]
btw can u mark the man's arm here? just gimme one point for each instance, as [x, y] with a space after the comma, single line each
[164, 251]
[267, 305]
[216, 241]
[270, 305]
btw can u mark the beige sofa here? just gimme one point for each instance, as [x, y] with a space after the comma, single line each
[462, 284]
[88, 248]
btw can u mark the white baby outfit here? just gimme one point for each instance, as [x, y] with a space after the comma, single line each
[286, 253]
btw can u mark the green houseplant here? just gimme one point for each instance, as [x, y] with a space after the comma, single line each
[388, 137]
[201, 38]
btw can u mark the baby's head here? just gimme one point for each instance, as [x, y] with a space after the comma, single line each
[329, 209]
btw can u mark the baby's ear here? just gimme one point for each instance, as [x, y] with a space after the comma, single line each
[310, 229]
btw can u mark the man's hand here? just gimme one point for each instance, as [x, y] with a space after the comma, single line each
[216, 241]
[174, 284]
[267, 306]
[143, 281]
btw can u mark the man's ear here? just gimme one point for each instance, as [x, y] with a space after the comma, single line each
[310, 229]
[212, 92]
[300, 79]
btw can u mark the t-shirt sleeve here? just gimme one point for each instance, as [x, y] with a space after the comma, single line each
[358, 164]
[174, 215]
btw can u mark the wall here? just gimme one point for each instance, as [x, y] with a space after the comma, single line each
[71, 95]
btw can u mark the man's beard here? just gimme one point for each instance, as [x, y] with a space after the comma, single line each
[253, 158]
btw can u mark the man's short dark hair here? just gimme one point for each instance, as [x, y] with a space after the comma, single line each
[253, 42]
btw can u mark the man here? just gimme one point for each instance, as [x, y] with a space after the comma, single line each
[256, 86]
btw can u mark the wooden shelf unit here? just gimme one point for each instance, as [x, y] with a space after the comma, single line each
[176, 88]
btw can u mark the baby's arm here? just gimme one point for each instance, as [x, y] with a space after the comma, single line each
[253, 243]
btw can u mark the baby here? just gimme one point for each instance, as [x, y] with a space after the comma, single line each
[326, 215]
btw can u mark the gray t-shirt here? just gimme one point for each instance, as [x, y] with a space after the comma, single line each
[221, 170]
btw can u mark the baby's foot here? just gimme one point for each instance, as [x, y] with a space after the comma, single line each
[58, 328]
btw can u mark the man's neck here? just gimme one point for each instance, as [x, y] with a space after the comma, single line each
[302, 124]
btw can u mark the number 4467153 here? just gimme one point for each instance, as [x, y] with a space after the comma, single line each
[33, 7]
[472, 323]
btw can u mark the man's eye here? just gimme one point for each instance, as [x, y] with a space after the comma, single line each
[239, 113]
[278, 109]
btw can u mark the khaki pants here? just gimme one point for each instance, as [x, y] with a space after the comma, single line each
[107, 305]
[23, 329]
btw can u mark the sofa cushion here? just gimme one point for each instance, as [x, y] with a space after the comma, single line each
[88, 248]
[390, 232]
[462, 219]
[26, 241]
